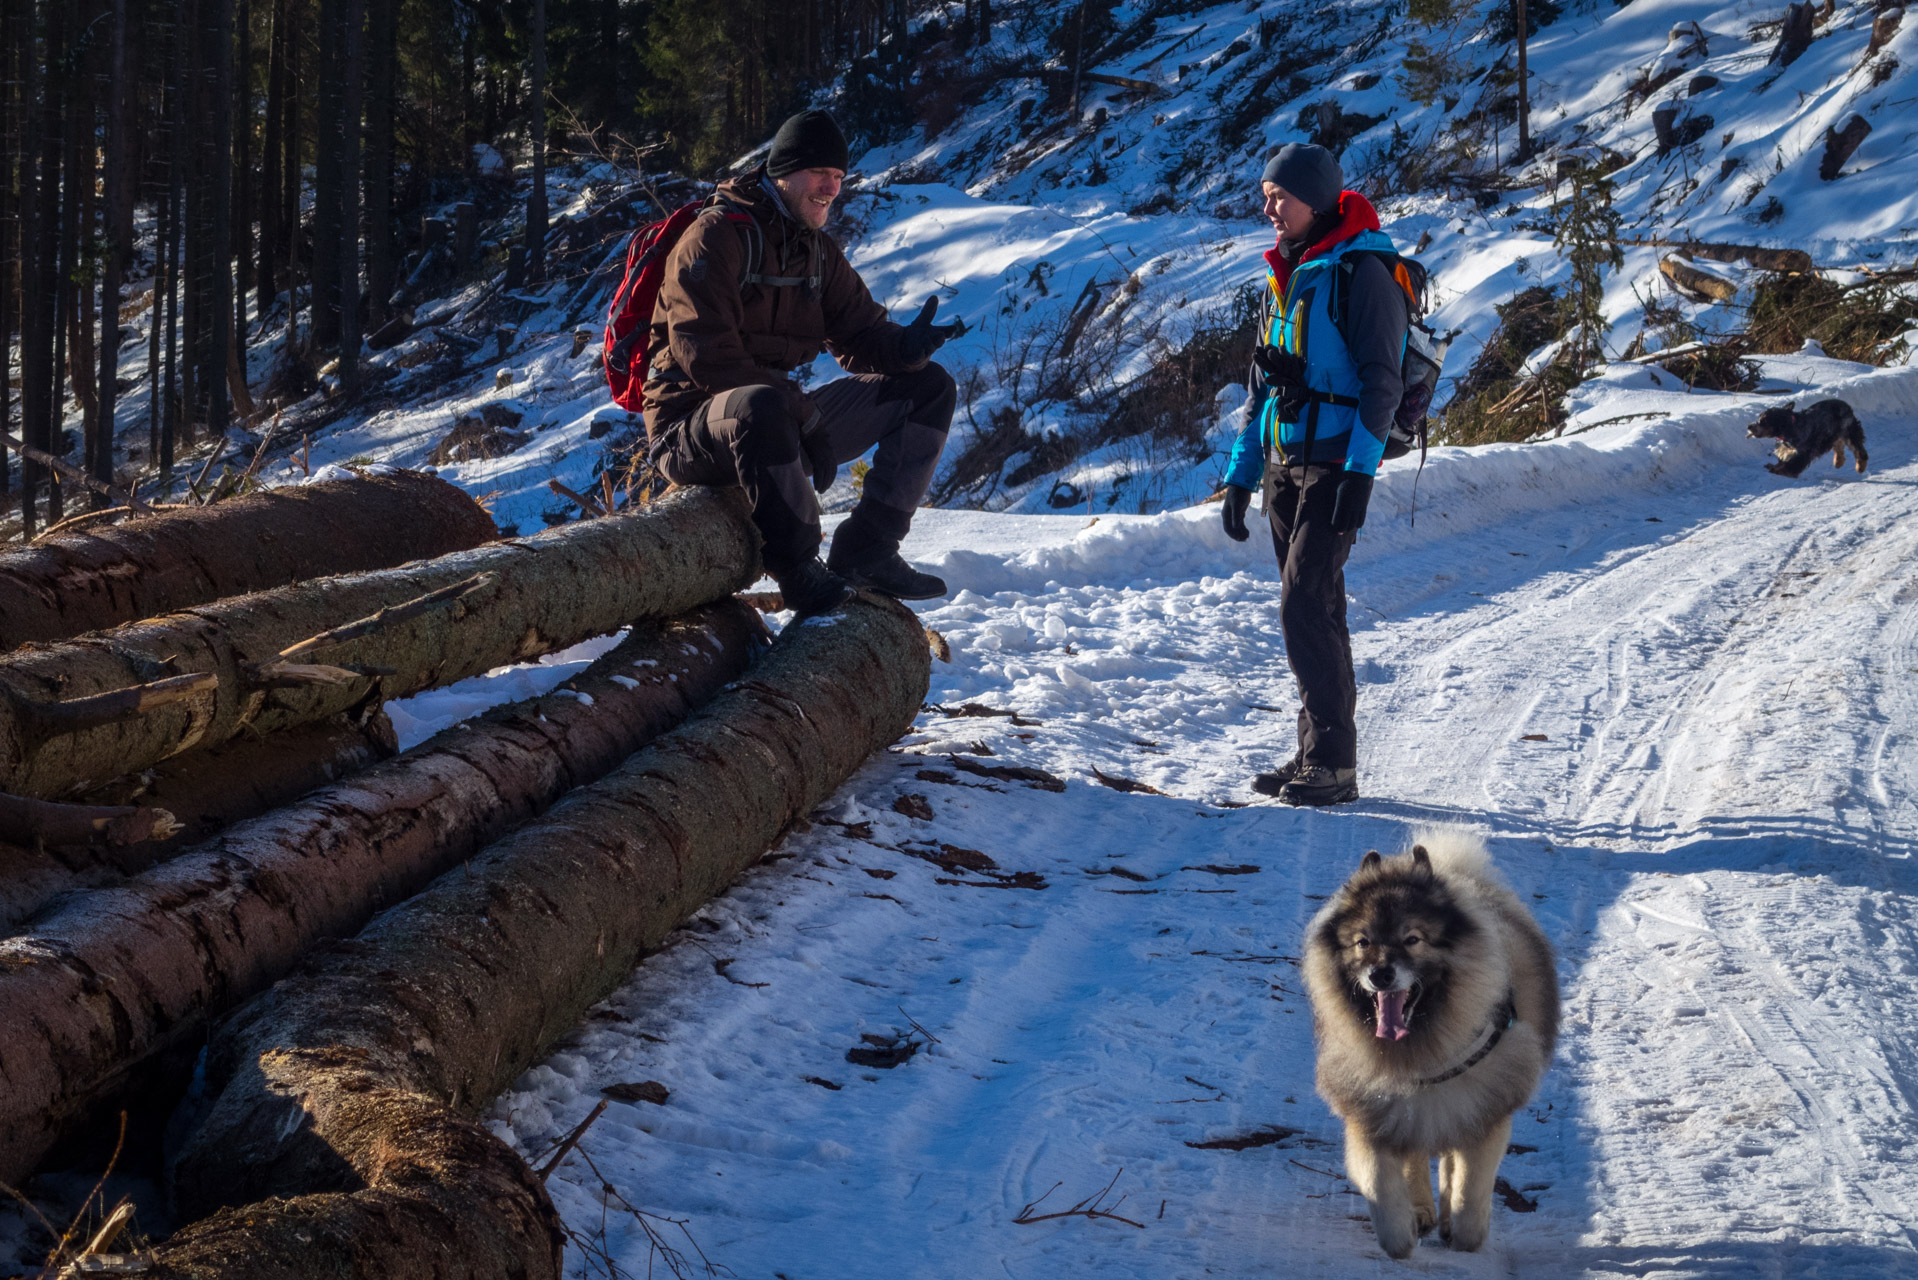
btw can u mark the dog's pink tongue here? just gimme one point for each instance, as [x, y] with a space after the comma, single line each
[1392, 1015]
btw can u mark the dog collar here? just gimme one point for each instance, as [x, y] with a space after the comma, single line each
[1502, 1019]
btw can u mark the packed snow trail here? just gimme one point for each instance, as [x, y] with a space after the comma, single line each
[1716, 829]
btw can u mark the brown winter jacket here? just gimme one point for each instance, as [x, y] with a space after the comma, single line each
[710, 333]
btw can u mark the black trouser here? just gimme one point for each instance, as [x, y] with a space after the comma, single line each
[747, 436]
[1298, 502]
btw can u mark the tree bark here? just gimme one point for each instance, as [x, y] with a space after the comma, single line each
[548, 591]
[536, 130]
[324, 273]
[266, 274]
[117, 231]
[206, 792]
[242, 186]
[353, 30]
[383, 1049]
[381, 67]
[118, 975]
[90, 580]
[219, 247]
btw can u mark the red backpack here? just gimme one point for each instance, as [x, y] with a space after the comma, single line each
[629, 321]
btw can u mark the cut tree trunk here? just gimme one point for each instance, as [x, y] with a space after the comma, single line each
[115, 976]
[206, 792]
[1795, 35]
[70, 582]
[529, 596]
[1699, 286]
[1840, 143]
[1883, 28]
[351, 1086]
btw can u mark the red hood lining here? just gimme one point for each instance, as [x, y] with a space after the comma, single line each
[1356, 214]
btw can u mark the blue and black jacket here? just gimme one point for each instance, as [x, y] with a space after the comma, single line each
[1352, 388]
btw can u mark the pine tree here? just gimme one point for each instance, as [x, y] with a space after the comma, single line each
[1587, 234]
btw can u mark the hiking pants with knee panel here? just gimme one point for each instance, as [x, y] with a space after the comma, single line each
[1298, 503]
[747, 436]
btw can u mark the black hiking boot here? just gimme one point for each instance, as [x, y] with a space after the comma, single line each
[891, 574]
[1314, 784]
[1271, 782]
[812, 588]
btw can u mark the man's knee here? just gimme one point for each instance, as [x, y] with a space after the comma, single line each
[931, 394]
[756, 425]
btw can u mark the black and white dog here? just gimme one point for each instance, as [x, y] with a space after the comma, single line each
[1829, 424]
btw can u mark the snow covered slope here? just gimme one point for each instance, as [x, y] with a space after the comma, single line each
[1676, 693]
[1150, 199]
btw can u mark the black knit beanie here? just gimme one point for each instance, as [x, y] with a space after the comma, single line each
[810, 140]
[1307, 171]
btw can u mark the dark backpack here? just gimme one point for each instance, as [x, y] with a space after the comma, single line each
[1424, 349]
[629, 321]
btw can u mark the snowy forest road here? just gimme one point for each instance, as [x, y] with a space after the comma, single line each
[1716, 828]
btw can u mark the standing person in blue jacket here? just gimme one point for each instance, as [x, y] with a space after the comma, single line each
[1327, 385]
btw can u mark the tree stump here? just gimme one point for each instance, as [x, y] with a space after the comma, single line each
[1794, 37]
[1883, 27]
[1840, 143]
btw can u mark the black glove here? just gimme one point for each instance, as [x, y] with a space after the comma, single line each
[818, 450]
[1232, 512]
[922, 337]
[1281, 368]
[1349, 502]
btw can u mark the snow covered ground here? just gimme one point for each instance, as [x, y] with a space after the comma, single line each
[1674, 691]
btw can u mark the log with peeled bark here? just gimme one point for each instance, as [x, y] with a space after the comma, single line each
[112, 977]
[205, 791]
[351, 1086]
[532, 595]
[91, 579]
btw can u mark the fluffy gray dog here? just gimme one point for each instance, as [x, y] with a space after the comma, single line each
[1435, 1004]
[1829, 424]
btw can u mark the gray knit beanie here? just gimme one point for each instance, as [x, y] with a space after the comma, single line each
[1309, 172]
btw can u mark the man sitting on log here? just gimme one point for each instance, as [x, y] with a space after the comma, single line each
[745, 302]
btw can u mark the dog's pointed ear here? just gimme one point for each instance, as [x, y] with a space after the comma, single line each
[1371, 861]
[1420, 858]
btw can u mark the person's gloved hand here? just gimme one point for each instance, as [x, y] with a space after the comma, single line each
[923, 337]
[1232, 512]
[1281, 368]
[1350, 500]
[819, 460]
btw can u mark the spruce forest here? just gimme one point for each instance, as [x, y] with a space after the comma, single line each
[265, 158]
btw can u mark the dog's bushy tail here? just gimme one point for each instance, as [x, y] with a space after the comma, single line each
[1458, 851]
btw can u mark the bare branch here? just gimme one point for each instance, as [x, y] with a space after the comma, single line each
[1090, 1207]
[454, 594]
[51, 719]
[71, 824]
[66, 469]
[571, 1139]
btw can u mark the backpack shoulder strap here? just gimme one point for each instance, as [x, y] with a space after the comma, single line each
[1407, 273]
[756, 249]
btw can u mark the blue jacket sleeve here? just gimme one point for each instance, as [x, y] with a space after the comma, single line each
[1247, 466]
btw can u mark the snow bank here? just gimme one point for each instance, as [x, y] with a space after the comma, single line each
[1670, 441]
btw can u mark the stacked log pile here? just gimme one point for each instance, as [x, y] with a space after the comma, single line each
[77, 713]
[89, 578]
[192, 804]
